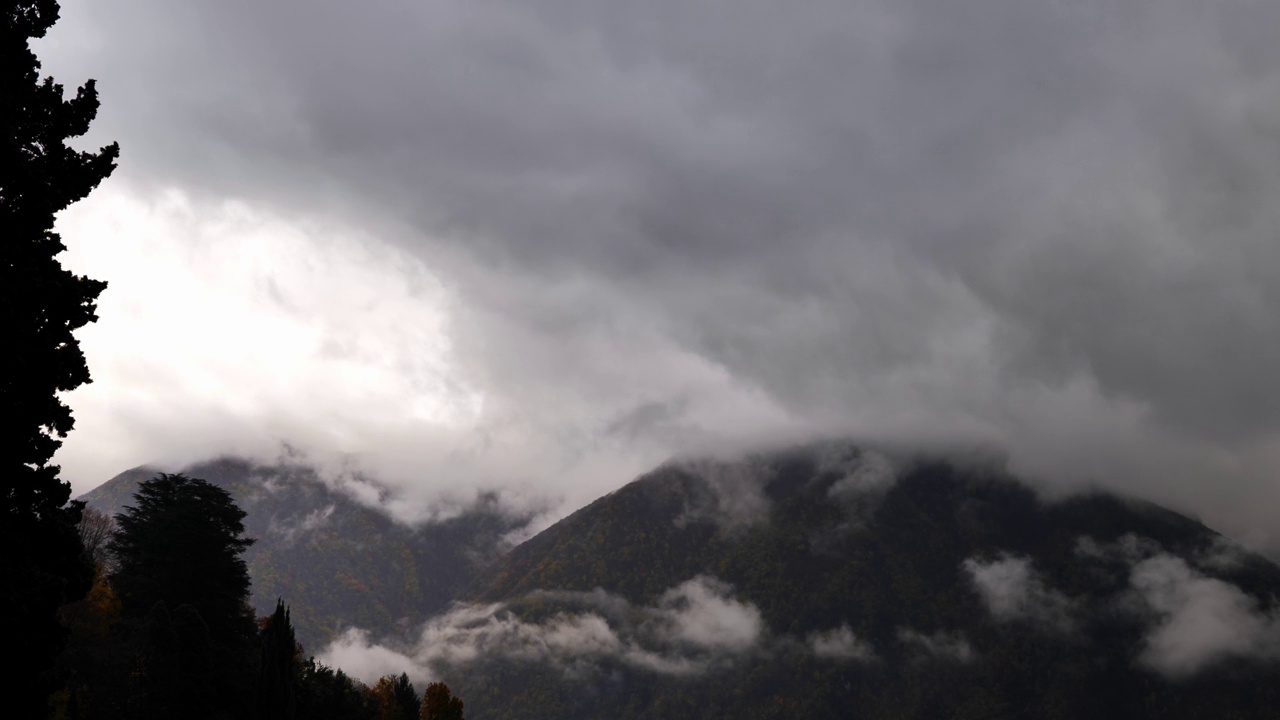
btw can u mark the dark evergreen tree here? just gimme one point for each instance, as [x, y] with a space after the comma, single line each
[172, 672]
[395, 698]
[328, 694]
[277, 667]
[438, 703]
[406, 698]
[180, 545]
[41, 303]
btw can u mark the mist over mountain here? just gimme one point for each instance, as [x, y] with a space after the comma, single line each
[824, 580]
[479, 263]
[336, 561]
[831, 581]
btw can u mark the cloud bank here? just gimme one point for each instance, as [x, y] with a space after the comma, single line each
[577, 238]
[695, 627]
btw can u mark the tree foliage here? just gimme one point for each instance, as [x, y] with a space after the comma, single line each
[278, 667]
[180, 546]
[41, 304]
[438, 703]
[181, 543]
[395, 698]
[326, 693]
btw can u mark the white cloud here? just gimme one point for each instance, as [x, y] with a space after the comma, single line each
[1013, 590]
[841, 644]
[361, 658]
[702, 612]
[230, 328]
[693, 628]
[1199, 620]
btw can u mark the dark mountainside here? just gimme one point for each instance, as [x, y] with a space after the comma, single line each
[819, 582]
[336, 562]
[866, 576]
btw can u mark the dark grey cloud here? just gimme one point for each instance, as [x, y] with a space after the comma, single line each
[1047, 225]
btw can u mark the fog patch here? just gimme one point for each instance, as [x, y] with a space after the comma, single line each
[867, 473]
[702, 613]
[1012, 590]
[841, 644]
[1128, 548]
[953, 647]
[693, 628]
[1222, 555]
[942, 645]
[312, 521]
[735, 495]
[1199, 620]
[362, 658]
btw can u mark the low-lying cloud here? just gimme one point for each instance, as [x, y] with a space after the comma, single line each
[941, 645]
[693, 628]
[1011, 589]
[841, 644]
[1193, 620]
[1199, 620]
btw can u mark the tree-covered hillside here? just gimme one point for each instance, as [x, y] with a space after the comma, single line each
[831, 582]
[338, 562]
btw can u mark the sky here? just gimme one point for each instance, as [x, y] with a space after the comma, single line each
[541, 246]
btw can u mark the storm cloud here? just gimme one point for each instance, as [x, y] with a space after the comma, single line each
[612, 233]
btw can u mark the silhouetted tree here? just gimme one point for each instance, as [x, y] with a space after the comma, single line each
[180, 545]
[277, 667]
[181, 542]
[395, 698]
[41, 303]
[406, 698]
[328, 694]
[174, 670]
[440, 704]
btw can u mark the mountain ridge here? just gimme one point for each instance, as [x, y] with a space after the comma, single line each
[820, 581]
[883, 587]
[336, 561]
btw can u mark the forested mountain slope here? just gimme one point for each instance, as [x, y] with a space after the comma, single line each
[335, 561]
[830, 582]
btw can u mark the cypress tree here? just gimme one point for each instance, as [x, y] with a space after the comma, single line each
[278, 667]
[41, 304]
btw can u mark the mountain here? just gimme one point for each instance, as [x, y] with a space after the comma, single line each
[832, 582]
[824, 581]
[336, 561]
